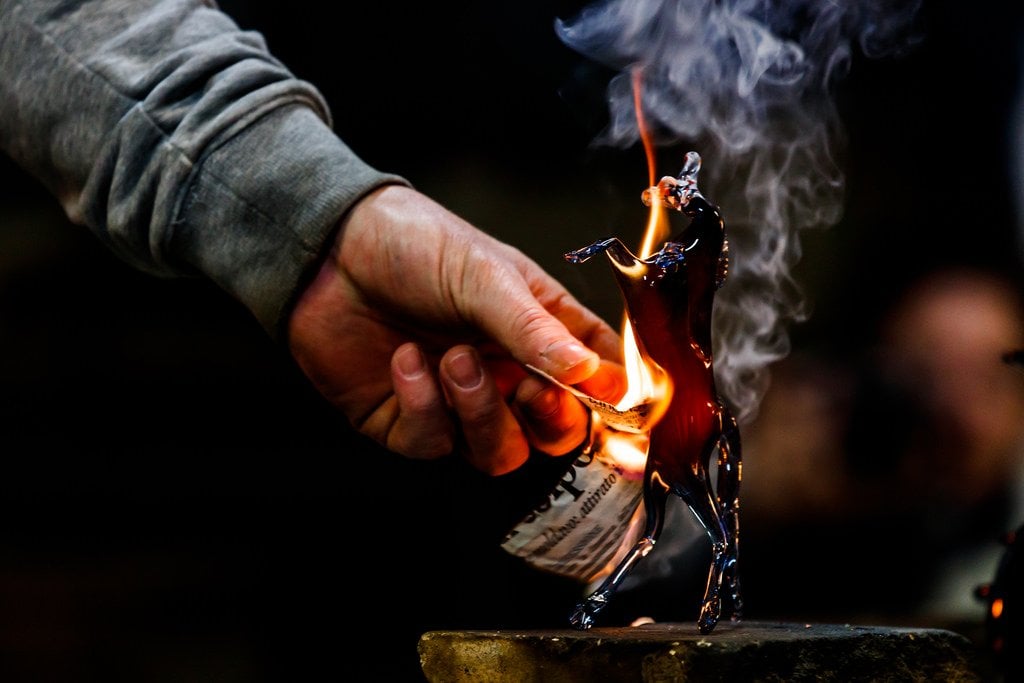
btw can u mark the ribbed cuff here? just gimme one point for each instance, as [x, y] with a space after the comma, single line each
[262, 207]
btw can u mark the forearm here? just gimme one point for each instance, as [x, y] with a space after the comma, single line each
[178, 139]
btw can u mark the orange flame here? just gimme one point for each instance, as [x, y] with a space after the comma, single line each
[657, 224]
[647, 382]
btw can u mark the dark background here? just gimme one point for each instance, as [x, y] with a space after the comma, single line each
[178, 504]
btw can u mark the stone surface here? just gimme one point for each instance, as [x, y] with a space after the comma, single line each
[744, 651]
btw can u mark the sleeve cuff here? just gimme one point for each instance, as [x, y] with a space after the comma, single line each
[261, 208]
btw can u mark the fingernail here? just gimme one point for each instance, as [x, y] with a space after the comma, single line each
[464, 370]
[410, 361]
[544, 403]
[567, 355]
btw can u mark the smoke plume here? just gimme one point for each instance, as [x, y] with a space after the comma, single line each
[748, 84]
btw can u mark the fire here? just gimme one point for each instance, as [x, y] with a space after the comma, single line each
[657, 224]
[629, 451]
[646, 381]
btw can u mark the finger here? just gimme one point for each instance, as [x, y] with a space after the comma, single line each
[540, 339]
[494, 441]
[506, 372]
[555, 422]
[423, 428]
[509, 298]
[609, 383]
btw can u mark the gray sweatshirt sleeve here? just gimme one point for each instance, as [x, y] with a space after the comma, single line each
[179, 140]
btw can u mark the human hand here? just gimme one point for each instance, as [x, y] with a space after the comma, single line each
[417, 327]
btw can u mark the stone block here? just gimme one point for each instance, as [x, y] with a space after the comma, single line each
[734, 651]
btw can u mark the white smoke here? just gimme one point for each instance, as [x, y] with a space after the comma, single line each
[748, 84]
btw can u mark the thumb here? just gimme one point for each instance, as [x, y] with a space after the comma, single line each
[561, 355]
[526, 324]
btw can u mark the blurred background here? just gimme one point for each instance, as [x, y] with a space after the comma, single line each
[178, 504]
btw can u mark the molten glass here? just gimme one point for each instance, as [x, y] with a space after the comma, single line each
[669, 297]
